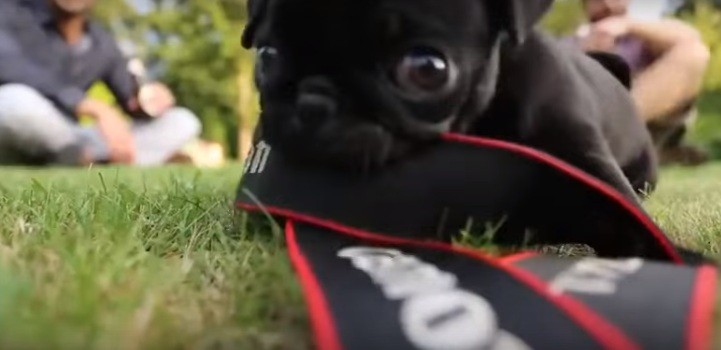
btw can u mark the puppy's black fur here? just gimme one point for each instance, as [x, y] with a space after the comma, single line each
[361, 83]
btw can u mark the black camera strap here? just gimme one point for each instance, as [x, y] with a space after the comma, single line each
[374, 256]
[661, 306]
[367, 291]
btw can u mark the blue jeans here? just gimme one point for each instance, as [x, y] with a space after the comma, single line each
[34, 131]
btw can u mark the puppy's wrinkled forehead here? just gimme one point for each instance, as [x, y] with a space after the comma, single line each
[310, 25]
[451, 19]
[343, 26]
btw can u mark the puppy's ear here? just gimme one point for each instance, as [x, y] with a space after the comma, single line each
[256, 14]
[518, 17]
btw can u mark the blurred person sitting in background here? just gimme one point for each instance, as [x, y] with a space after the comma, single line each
[51, 53]
[668, 60]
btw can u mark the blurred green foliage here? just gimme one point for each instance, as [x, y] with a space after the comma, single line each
[564, 17]
[194, 45]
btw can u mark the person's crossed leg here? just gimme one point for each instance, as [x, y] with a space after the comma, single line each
[34, 131]
[51, 53]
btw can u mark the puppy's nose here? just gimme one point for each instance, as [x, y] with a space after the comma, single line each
[316, 101]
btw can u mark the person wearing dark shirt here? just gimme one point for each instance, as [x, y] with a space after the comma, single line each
[51, 53]
[668, 60]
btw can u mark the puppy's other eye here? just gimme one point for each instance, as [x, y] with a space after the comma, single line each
[265, 59]
[423, 70]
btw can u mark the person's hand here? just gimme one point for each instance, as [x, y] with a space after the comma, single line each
[603, 35]
[598, 42]
[156, 98]
[614, 27]
[114, 129]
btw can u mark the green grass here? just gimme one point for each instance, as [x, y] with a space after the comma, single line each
[130, 259]
[157, 259]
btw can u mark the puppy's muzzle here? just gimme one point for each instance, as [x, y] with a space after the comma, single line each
[317, 101]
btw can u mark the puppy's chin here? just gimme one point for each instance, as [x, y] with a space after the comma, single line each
[352, 145]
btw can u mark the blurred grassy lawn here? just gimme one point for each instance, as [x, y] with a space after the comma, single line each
[129, 259]
[157, 259]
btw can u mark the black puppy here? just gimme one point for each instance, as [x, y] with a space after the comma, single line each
[361, 83]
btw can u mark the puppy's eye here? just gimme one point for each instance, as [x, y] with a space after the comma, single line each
[265, 59]
[423, 70]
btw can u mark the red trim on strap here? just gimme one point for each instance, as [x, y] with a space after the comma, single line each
[518, 257]
[578, 175]
[605, 333]
[700, 321]
[326, 335]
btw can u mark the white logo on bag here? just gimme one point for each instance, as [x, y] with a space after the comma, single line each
[257, 159]
[595, 276]
[435, 314]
